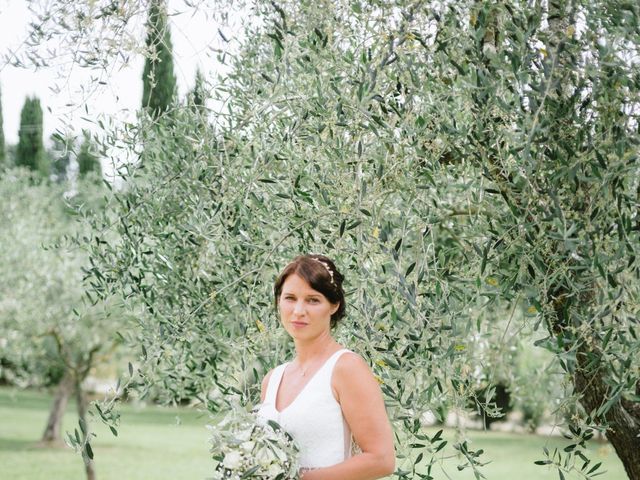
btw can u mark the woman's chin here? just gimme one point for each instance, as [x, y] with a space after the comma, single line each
[297, 334]
[300, 333]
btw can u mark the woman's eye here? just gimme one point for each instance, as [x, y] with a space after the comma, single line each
[314, 300]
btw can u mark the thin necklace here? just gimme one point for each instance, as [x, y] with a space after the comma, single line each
[304, 370]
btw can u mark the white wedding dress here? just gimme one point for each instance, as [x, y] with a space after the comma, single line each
[314, 418]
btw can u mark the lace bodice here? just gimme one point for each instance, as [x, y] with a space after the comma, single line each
[314, 418]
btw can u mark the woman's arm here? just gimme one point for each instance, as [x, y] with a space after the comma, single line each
[360, 398]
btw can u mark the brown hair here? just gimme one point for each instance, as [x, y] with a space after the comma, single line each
[322, 275]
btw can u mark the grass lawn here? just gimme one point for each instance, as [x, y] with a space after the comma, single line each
[512, 457]
[153, 444]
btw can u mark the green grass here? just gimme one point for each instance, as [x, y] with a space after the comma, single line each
[512, 456]
[153, 444]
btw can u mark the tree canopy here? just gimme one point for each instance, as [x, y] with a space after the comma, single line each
[51, 334]
[459, 160]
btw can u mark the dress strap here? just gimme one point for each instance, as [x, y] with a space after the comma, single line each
[274, 383]
[333, 359]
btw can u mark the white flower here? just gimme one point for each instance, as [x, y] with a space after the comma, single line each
[281, 454]
[244, 435]
[248, 446]
[273, 470]
[232, 460]
[262, 458]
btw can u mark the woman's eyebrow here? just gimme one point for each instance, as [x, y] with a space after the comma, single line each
[309, 295]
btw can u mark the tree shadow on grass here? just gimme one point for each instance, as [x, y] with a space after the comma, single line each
[19, 445]
[14, 398]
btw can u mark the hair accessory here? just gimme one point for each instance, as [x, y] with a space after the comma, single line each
[326, 266]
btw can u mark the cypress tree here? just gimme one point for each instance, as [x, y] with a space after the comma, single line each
[30, 151]
[199, 93]
[87, 159]
[197, 98]
[3, 155]
[158, 79]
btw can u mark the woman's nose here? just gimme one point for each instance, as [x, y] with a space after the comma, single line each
[298, 308]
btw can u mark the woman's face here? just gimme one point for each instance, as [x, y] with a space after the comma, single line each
[305, 313]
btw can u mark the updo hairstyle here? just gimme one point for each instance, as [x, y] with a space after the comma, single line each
[322, 275]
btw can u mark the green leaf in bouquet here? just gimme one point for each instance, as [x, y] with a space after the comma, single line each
[250, 472]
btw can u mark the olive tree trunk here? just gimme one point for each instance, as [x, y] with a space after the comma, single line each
[87, 456]
[623, 421]
[52, 432]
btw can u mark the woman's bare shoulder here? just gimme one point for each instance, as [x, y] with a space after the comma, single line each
[351, 369]
[355, 386]
[351, 360]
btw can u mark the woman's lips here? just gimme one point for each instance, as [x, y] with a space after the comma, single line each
[298, 324]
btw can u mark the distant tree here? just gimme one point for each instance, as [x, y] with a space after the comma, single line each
[52, 335]
[197, 98]
[60, 155]
[198, 95]
[3, 156]
[10, 151]
[30, 152]
[158, 79]
[87, 159]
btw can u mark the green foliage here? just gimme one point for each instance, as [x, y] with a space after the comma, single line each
[159, 81]
[30, 151]
[537, 385]
[46, 324]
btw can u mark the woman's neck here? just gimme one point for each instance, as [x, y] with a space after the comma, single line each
[312, 350]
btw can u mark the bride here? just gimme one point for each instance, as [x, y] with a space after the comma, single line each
[326, 398]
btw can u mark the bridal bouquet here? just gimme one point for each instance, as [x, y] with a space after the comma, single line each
[247, 448]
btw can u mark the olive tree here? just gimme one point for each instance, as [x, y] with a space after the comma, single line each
[455, 158]
[51, 334]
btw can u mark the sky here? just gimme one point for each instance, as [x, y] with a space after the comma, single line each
[193, 36]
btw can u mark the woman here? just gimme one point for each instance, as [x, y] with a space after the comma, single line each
[326, 396]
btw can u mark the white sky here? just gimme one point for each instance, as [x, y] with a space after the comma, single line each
[193, 37]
